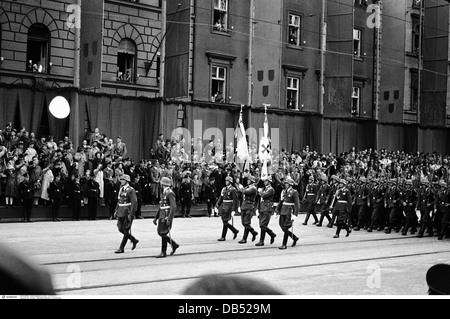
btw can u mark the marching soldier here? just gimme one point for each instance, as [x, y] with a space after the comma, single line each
[164, 217]
[392, 203]
[226, 206]
[334, 185]
[342, 206]
[112, 194]
[425, 203]
[324, 197]
[310, 200]
[26, 194]
[247, 209]
[264, 211]
[361, 202]
[377, 205]
[288, 208]
[125, 212]
[443, 208]
[409, 203]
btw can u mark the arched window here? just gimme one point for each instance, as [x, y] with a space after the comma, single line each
[38, 47]
[126, 61]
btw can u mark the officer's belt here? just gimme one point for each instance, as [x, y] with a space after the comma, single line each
[165, 207]
[127, 204]
[342, 201]
[288, 204]
[228, 201]
[310, 194]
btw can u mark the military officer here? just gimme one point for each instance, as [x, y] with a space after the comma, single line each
[125, 212]
[265, 210]
[324, 197]
[425, 204]
[226, 206]
[247, 209]
[377, 204]
[361, 202]
[409, 203]
[392, 200]
[342, 206]
[310, 200]
[76, 198]
[443, 205]
[164, 217]
[288, 208]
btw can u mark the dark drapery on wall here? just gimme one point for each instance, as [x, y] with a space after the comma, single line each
[434, 140]
[398, 137]
[135, 120]
[340, 136]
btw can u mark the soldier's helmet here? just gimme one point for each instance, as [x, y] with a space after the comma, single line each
[343, 182]
[166, 181]
[125, 177]
[229, 179]
[409, 182]
[251, 179]
[289, 181]
[442, 183]
[268, 178]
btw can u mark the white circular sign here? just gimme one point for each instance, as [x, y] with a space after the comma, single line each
[59, 107]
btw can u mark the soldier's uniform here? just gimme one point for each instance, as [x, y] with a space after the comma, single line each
[409, 203]
[186, 196]
[26, 194]
[125, 212]
[93, 192]
[265, 211]
[377, 204]
[425, 203]
[342, 207]
[164, 217]
[227, 205]
[288, 209]
[392, 199]
[333, 189]
[310, 199]
[443, 208]
[137, 186]
[361, 202]
[247, 208]
[324, 198]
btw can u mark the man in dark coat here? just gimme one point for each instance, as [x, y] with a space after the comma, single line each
[247, 209]
[186, 195]
[93, 194]
[342, 206]
[210, 196]
[164, 217]
[26, 194]
[56, 195]
[125, 212]
[76, 197]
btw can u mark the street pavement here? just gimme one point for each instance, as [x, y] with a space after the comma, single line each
[80, 257]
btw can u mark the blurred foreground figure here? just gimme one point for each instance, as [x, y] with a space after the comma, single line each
[229, 285]
[19, 276]
[438, 279]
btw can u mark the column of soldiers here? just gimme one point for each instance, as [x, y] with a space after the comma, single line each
[381, 204]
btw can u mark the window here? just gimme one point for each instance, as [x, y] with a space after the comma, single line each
[415, 35]
[360, 3]
[38, 45]
[294, 29]
[218, 84]
[126, 61]
[293, 93]
[220, 18]
[414, 92]
[356, 101]
[357, 43]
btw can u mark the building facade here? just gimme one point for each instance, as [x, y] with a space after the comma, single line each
[333, 74]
